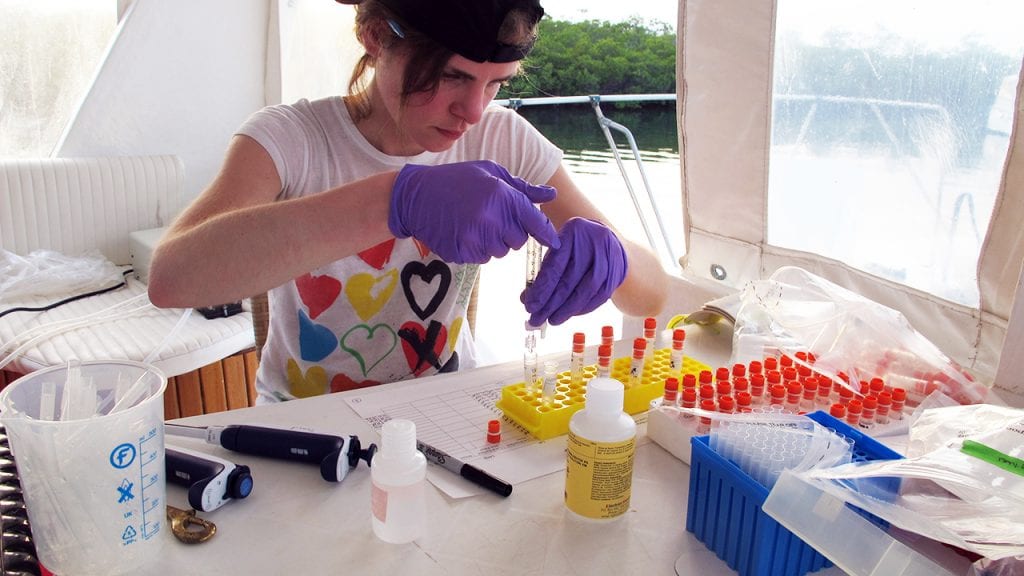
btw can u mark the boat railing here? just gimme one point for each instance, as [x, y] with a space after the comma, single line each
[607, 125]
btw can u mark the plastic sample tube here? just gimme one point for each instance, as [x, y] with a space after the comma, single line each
[757, 388]
[494, 431]
[705, 377]
[579, 344]
[853, 410]
[689, 400]
[726, 404]
[531, 374]
[604, 360]
[739, 370]
[824, 392]
[671, 395]
[650, 334]
[608, 337]
[740, 384]
[744, 402]
[845, 395]
[755, 367]
[884, 405]
[707, 392]
[676, 355]
[810, 394]
[793, 390]
[704, 423]
[636, 366]
[550, 381]
[899, 398]
[867, 415]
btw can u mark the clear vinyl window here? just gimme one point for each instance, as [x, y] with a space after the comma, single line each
[50, 53]
[890, 126]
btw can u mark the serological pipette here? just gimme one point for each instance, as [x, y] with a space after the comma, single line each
[531, 373]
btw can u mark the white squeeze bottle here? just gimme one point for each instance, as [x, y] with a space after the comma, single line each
[398, 471]
[599, 453]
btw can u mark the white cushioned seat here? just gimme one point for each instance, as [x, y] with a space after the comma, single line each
[71, 205]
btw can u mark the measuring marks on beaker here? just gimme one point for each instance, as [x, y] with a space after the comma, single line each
[140, 491]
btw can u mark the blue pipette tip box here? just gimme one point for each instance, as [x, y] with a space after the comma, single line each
[724, 510]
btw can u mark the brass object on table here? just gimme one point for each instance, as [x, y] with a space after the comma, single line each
[189, 528]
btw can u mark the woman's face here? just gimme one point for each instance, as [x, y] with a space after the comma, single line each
[434, 122]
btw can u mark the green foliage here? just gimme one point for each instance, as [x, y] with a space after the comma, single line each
[597, 57]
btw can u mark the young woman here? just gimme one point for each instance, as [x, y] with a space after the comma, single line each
[366, 216]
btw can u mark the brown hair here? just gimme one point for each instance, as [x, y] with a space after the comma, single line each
[427, 58]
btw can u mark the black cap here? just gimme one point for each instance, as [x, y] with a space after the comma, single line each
[467, 27]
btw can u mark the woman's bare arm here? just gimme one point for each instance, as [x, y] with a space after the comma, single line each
[235, 240]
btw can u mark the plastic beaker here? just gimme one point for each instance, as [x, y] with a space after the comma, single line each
[93, 478]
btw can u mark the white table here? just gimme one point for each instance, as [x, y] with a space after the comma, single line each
[294, 522]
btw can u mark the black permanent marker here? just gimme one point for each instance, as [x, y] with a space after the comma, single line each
[467, 471]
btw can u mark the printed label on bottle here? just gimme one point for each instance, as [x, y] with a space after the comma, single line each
[379, 503]
[598, 476]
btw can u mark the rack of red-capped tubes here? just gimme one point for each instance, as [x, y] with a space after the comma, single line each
[784, 385]
[781, 384]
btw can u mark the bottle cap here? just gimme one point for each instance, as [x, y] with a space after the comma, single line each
[579, 341]
[605, 396]
[493, 431]
[397, 438]
[650, 323]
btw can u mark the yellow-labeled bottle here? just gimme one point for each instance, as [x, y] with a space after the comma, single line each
[599, 454]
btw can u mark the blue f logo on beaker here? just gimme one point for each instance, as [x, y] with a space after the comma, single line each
[122, 456]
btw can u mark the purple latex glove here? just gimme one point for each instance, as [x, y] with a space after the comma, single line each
[469, 212]
[578, 276]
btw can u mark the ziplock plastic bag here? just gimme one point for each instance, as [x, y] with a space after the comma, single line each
[852, 339]
[50, 273]
[969, 492]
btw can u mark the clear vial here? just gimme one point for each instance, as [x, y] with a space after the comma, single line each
[550, 381]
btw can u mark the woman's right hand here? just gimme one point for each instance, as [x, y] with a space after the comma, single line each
[469, 212]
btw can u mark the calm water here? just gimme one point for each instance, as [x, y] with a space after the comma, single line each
[587, 155]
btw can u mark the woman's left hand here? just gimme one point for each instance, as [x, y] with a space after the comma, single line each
[578, 276]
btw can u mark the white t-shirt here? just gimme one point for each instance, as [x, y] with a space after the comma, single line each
[394, 311]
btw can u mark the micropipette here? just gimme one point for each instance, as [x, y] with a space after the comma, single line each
[211, 481]
[335, 454]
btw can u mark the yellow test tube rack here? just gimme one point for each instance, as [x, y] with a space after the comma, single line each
[545, 419]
